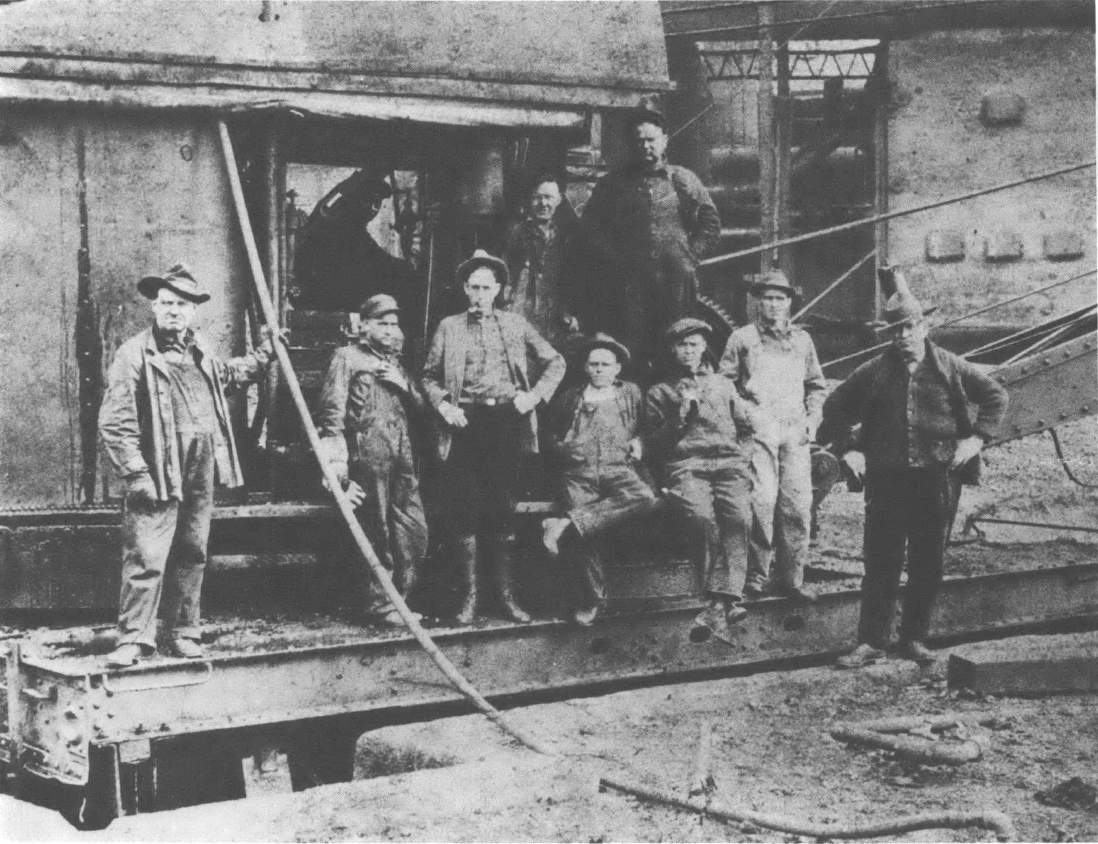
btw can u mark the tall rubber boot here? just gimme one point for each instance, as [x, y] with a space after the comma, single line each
[505, 564]
[465, 552]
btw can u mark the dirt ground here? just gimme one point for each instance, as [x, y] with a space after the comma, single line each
[771, 753]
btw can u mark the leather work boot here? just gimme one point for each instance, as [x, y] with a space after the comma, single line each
[862, 655]
[505, 564]
[797, 594]
[586, 617]
[185, 648]
[126, 655]
[466, 553]
[710, 622]
[918, 652]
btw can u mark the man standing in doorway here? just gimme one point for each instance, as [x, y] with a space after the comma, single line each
[485, 374]
[774, 363]
[917, 439]
[368, 410]
[647, 224]
[164, 425]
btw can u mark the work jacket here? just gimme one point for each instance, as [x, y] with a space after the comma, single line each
[913, 420]
[136, 421]
[534, 365]
[566, 406]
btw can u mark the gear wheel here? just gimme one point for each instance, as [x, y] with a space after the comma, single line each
[719, 320]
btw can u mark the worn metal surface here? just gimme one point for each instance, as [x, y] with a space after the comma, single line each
[150, 193]
[582, 54]
[1054, 673]
[240, 690]
[1050, 388]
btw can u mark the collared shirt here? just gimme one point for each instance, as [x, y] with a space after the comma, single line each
[487, 375]
[777, 367]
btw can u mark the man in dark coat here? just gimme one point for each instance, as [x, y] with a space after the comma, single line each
[917, 432]
[486, 373]
[369, 407]
[647, 226]
[164, 424]
[595, 427]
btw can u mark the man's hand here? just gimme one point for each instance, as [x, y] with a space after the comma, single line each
[141, 492]
[689, 407]
[388, 373]
[356, 494]
[812, 426]
[967, 448]
[269, 332]
[525, 402]
[570, 323]
[636, 450]
[452, 415]
[855, 462]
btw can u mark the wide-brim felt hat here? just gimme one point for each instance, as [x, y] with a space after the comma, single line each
[685, 327]
[378, 305]
[601, 340]
[179, 280]
[774, 280]
[481, 258]
[362, 184]
[901, 309]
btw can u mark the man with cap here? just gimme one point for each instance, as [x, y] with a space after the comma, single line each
[917, 431]
[647, 224]
[338, 264]
[699, 427]
[539, 256]
[369, 408]
[164, 424]
[594, 432]
[774, 363]
[486, 372]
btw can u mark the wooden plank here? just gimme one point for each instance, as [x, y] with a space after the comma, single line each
[1052, 674]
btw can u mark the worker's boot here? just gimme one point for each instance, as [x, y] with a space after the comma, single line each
[505, 564]
[465, 551]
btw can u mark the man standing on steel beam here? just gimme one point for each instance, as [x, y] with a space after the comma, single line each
[369, 407]
[486, 372]
[648, 224]
[774, 363]
[164, 425]
[919, 442]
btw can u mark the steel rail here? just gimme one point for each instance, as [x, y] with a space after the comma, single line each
[259, 285]
[890, 215]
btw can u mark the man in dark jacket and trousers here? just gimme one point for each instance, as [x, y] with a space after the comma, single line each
[917, 437]
[647, 225]
[774, 363]
[486, 373]
[699, 427]
[369, 408]
[164, 424]
[595, 427]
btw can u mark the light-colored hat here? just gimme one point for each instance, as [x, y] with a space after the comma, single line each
[179, 280]
[481, 258]
[685, 327]
[774, 280]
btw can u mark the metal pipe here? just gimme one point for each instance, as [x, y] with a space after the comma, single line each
[342, 502]
[1048, 525]
[892, 215]
[765, 136]
[833, 285]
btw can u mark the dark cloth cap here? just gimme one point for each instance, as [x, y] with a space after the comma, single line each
[179, 280]
[773, 280]
[600, 340]
[644, 113]
[378, 305]
[482, 259]
[685, 327]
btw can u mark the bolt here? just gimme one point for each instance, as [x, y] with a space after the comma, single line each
[1040, 423]
[1046, 362]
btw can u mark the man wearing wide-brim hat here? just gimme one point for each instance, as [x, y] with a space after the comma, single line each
[774, 363]
[917, 436]
[594, 431]
[698, 426]
[486, 373]
[369, 408]
[164, 424]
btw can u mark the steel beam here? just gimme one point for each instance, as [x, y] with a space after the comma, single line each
[75, 701]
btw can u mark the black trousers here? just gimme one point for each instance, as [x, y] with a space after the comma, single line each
[908, 513]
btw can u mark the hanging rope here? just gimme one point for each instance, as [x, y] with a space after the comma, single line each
[1063, 462]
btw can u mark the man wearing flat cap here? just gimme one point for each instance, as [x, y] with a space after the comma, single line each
[595, 438]
[917, 436]
[338, 264]
[699, 427]
[164, 425]
[774, 363]
[647, 225]
[369, 409]
[486, 373]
